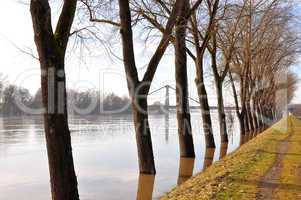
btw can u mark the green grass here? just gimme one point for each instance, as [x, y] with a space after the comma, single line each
[237, 175]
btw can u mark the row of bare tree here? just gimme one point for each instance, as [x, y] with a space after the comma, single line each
[250, 44]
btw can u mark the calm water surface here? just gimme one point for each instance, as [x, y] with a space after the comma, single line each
[105, 157]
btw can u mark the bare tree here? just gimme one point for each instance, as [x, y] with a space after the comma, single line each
[51, 47]
[139, 89]
[201, 40]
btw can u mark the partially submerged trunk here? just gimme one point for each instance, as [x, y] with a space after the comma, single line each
[244, 110]
[51, 48]
[221, 111]
[219, 92]
[244, 115]
[143, 136]
[182, 98]
[203, 99]
[260, 116]
[255, 117]
[239, 113]
[138, 94]
[205, 110]
[139, 90]
[223, 150]
[249, 117]
[199, 81]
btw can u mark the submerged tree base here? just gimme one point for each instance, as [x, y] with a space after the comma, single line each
[241, 174]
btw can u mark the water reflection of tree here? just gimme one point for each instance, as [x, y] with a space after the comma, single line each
[185, 169]
[145, 187]
[209, 155]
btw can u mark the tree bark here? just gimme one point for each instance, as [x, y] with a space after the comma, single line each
[183, 111]
[254, 115]
[245, 119]
[143, 136]
[209, 156]
[138, 96]
[205, 110]
[51, 48]
[221, 112]
[260, 116]
[244, 111]
[238, 112]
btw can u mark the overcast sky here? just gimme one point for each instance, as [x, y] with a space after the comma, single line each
[96, 70]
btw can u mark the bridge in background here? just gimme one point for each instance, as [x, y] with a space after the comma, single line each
[166, 106]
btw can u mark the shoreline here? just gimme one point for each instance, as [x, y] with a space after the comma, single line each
[240, 174]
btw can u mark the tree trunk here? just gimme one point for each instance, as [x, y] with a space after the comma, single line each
[143, 136]
[223, 150]
[137, 87]
[183, 111]
[209, 156]
[206, 116]
[51, 48]
[249, 117]
[241, 124]
[260, 116]
[238, 113]
[255, 118]
[199, 81]
[62, 175]
[245, 120]
[221, 111]
[219, 92]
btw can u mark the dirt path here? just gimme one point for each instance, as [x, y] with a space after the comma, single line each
[269, 183]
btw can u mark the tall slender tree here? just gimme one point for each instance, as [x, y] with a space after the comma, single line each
[182, 98]
[201, 41]
[139, 89]
[221, 47]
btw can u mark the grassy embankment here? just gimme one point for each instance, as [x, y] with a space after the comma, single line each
[238, 175]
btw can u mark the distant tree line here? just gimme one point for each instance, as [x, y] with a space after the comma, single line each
[79, 102]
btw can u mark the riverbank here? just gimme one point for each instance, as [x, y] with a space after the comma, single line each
[267, 167]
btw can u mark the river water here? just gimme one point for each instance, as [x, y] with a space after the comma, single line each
[105, 157]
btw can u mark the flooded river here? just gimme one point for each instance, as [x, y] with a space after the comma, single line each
[105, 157]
